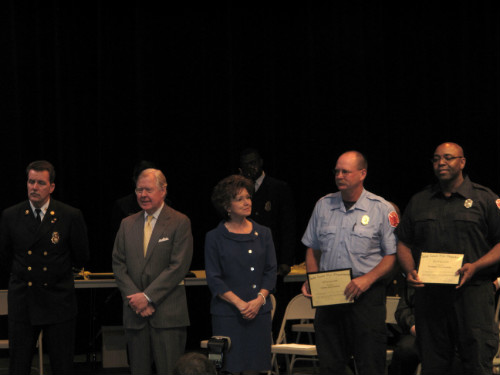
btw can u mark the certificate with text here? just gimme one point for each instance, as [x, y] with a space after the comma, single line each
[327, 287]
[440, 268]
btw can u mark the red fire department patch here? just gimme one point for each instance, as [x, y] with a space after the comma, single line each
[498, 203]
[394, 219]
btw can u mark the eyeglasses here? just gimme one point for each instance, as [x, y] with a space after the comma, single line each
[447, 158]
[139, 191]
[344, 172]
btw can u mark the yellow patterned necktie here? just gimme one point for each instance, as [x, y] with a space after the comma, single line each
[147, 233]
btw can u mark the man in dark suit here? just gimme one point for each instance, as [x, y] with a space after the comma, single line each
[151, 256]
[273, 207]
[42, 239]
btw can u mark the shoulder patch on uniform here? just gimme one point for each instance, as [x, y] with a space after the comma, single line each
[498, 203]
[393, 219]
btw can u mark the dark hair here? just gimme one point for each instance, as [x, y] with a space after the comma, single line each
[42, 165]
[249, 151]
[227, 189]
[194, 363]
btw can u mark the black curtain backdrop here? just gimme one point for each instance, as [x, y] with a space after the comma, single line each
[96, 86]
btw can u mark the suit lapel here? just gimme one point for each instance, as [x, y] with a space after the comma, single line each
[157, 231]
[139, 236]
[262, 188]
[40, 230]
[29, 218]
[50, 219]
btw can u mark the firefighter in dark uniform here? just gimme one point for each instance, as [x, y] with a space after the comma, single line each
[461, 217]
[41, 240]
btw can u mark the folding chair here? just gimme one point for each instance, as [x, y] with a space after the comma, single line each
[391, 304]
[496, 359]
[299, 308]
[4, 344]
[305, 326]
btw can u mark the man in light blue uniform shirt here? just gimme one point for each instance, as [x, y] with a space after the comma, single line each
[352, 228]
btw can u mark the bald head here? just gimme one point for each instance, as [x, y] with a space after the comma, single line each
[358, 158]
[450, 147]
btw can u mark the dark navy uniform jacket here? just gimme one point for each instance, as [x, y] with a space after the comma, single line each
[41, 285]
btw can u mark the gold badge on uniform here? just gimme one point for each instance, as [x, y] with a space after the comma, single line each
[468, 203]
[365, 219]
[55, 238]
[267, 206]
[52, 213]
[26, 212]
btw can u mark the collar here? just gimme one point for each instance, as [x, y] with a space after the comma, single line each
[43, 208]
[155, 214]
[239, 237]
[360, 204]
[465, 190]
[258, 182]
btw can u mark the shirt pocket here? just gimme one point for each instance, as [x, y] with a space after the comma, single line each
[365, 241]
[426, 227]
[467, 225]
[467, 218]
[326, 237]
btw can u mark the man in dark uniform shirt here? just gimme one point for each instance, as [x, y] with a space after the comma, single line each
[461, 217]
[42, 239]
[273, 207]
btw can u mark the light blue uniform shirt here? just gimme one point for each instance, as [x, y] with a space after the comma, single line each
[357, 239]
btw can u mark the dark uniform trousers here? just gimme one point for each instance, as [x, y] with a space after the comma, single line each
[58, 339]
[356, 329]
[449, 320]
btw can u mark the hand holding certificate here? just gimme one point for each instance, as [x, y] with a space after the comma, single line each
[440, 268]
[327, 288]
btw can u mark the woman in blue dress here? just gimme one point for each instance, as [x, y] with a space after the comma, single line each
[240, 263]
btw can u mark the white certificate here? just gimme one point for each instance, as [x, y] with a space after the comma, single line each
[327, 287]
[440, 268]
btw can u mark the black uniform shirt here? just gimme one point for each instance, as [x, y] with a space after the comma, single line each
[468, 222]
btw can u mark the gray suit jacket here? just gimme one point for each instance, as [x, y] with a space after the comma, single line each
[158, 275]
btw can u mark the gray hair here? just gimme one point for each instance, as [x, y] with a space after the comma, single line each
[161, 181]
